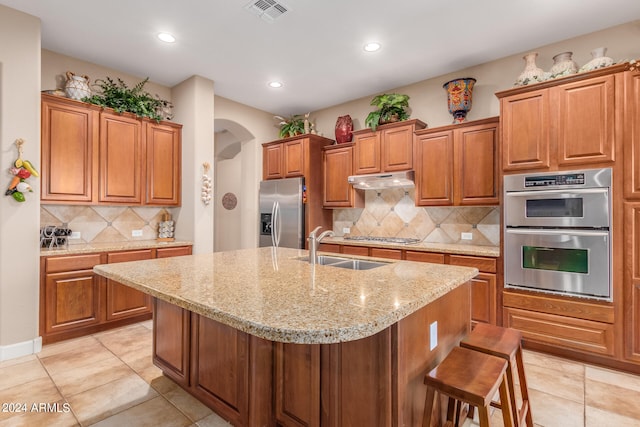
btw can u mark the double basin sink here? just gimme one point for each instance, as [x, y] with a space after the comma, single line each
[348, 263]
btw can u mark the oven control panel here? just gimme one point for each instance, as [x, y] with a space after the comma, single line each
[554, 180]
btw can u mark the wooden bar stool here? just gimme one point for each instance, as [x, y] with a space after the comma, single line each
[505, 343]
[472, 377]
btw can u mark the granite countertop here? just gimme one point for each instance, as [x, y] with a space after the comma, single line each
[272, 294]
[84, 248]
[449, 248]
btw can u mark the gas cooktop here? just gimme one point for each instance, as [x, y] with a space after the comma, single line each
[400, 240]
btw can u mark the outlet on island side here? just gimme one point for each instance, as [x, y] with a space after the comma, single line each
[433, 335]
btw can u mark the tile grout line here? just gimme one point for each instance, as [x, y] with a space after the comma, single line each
[75, 416]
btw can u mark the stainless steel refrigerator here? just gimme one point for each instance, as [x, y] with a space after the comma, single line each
[282, 213]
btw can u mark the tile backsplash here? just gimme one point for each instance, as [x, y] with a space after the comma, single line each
[392, 213]
[104, 224]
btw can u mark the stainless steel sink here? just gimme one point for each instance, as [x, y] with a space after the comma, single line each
[349, 263]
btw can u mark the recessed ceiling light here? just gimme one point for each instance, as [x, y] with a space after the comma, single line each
[166, 37]
[275, 84]
[372, 46]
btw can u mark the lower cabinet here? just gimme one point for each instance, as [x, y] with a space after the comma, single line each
[75, 302]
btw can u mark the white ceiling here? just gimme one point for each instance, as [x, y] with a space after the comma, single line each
[315, 48]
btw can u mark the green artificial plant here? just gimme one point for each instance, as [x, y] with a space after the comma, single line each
[121, 98]
[390, 107]
[290, 126]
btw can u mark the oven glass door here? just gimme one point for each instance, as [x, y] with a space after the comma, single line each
[574, 262]
[558, 208]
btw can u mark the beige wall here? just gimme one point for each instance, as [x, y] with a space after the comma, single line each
[429, 100]
[19, 222]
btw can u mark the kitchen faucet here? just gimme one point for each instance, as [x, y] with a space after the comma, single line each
[314, 242]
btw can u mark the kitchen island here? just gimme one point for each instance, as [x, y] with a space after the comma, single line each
[265, 338]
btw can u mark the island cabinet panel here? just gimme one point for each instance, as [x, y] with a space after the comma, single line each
[69, 144]
[525, 127]
[120, 168]
[297, 382]
[164, 160]
[123, 301]
[171, 340]
[632, 135]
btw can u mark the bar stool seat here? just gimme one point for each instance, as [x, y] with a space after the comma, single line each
[471, 377]
[505, 343]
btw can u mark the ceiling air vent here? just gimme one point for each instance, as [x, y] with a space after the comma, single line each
[268, 10]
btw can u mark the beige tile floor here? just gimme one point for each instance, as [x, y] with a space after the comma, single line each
[108, 379]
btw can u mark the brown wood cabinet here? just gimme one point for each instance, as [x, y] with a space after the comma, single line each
[388, 149]
[632, 135]
[300, 156]
[632, 281]
[171, 348]
[457, 165]
[96, 156]
[75, 302]
[338, 166]
[70, 132]
[562, 123]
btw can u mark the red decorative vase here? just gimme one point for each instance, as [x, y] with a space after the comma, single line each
[344, 129]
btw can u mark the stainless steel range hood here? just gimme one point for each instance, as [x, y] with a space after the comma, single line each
[380, 181]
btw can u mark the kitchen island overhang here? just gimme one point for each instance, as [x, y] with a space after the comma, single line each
[357, 330]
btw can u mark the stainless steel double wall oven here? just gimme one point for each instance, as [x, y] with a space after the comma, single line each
[557, 232]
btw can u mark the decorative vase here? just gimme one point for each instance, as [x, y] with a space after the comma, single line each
[459, 97]
[77, 87]
[531, 73]
[344, 129]
[563, 65]
[599, 60]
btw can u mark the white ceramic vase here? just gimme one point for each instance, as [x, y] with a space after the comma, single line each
[599, 60]
[563, 65]
[531, 73]
[77, 87]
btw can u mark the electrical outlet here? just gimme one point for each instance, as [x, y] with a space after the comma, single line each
[433, 335]
[346, 230]
[136, 233]
[466, 236]
[74, 235]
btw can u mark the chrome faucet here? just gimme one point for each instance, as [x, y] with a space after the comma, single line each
[315, 241]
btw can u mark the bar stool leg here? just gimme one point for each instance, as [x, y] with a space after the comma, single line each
[428, 407]
[524, 389]
[505, 400]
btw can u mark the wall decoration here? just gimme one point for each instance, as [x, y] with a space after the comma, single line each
[459, 97]
[21, 171]
[229, 201]
[207, 185]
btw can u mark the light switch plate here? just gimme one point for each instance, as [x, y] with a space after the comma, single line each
[466, 236]
[433, 335]
[136, 233]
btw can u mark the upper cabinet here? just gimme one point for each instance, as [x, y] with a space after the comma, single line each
[563, 123]
[338, 166]
[457, 164]
[632, 135]
[388, 149]
[95, 156]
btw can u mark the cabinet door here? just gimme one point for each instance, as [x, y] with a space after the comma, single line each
[483, 298]
[164, 153]
[631, 130]
[297, 380]
[123, 301]
[171, 340]
[337, 192]
[272, 162]
[476, 174]
[434, 169]
[585, 121]
[294, 158]
[121, 165]
[69, 138]
[632, 281]
[220, 366]
[72, 300]
[524, 124]
[367, 153]
[397, 149]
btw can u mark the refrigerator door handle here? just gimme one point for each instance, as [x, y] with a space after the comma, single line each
[277, 223]
[273, 224]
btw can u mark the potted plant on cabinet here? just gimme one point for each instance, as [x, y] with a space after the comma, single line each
[290, 126]
[391, 108]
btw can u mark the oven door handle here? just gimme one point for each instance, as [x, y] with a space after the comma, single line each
[567, 191]
[556, 232]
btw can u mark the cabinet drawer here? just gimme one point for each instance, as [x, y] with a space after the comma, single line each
[72, 262]
[329, 247]
[170, 252]
[487, 265]
[355, 250]
[386, 253]
[564, 332]
[431, 257]
[129, 256]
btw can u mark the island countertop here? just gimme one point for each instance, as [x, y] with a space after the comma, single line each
[273, 294]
